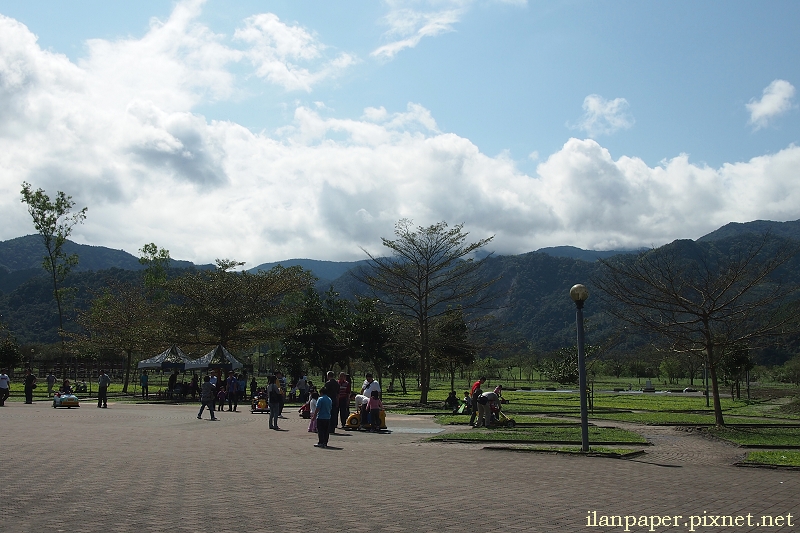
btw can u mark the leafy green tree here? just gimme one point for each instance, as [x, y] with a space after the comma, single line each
[235, 309]
[10, 353]
[430, 270]
[156, 261]
[320, 334]
[121, 317]
[735, 363]
[671, 367]
[373, 333]
[451, 345]
[701, 298]
[54, 220]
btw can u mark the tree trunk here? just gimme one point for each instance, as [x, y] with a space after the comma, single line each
[129, 353]
[718, 420]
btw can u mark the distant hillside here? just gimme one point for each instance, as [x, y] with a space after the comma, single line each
[787, 230]
[326, 271]
[584, 255]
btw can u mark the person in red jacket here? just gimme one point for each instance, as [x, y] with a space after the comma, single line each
[344, 400]
[475, 392]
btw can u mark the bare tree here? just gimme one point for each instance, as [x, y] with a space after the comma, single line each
[431, 269]
[702, 298]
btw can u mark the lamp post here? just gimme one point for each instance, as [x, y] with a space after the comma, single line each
[579, 294]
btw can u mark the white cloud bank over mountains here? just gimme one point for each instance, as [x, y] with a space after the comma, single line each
[117, 132]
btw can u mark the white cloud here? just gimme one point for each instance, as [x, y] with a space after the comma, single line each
[776, 99]
[275, 47]
[151, 170]
[409, 25]
[604, 117]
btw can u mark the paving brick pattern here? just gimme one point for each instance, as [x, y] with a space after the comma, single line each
[157, 468]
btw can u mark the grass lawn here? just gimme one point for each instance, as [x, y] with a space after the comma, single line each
[448, 420]
[777, 458]
[789, 436]
[557, 435]
[621, 452]
[686, 419]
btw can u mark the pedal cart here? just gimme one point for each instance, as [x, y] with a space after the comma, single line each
[354, 421]
[259, 405]
[65, 399]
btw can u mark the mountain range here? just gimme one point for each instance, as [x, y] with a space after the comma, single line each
[536, 307]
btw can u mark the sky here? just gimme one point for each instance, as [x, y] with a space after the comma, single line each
[261, 130]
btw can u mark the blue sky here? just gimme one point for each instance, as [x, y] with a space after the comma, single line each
[264, 131]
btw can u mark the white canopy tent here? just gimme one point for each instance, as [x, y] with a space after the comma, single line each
[219, 357]
[172, 357]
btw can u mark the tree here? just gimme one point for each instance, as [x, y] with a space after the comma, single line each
[122, 318]
[10, 354]
[430, 270]
[54, 221]
[373, 334]
[156, 261]
[235, 309]
[450, 343]
[321, 333]
[702, 298]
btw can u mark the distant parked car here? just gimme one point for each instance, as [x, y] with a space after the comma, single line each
[689, 389]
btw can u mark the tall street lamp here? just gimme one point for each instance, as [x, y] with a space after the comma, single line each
[579, 294]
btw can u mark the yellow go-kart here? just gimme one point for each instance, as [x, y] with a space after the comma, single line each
[259, 405]
[354, 421]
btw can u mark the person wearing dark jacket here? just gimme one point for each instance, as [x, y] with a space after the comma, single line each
[332, 386]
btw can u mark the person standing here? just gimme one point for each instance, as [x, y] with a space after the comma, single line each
[207, 395]
[374, 406]
[51, 380]
[233, 392]
[143, 380]
[102, 389]
[323, 417]
[333, 393]
[280, 381]
[172, 382]
[302, 389]
[475, 392]
[253, 388]
[343, 400]
[5, 387]
[30, 384]
[369, 386]
[274, 399]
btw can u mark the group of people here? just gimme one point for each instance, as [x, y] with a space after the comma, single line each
[333, 401]
[29, 381]
[216, 390]
[482, 403]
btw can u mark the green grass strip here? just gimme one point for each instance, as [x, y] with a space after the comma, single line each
[754, 436]
[776, 458]
[544, 434]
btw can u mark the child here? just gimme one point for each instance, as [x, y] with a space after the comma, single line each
[220, 399]
[312, 406]
[374, 407]
[467, 403]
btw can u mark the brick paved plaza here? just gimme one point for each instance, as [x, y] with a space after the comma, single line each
[157, 468]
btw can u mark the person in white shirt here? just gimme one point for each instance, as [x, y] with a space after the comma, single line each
[370, 385]
[5, 386]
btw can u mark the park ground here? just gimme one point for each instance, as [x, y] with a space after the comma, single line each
[155, 467]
